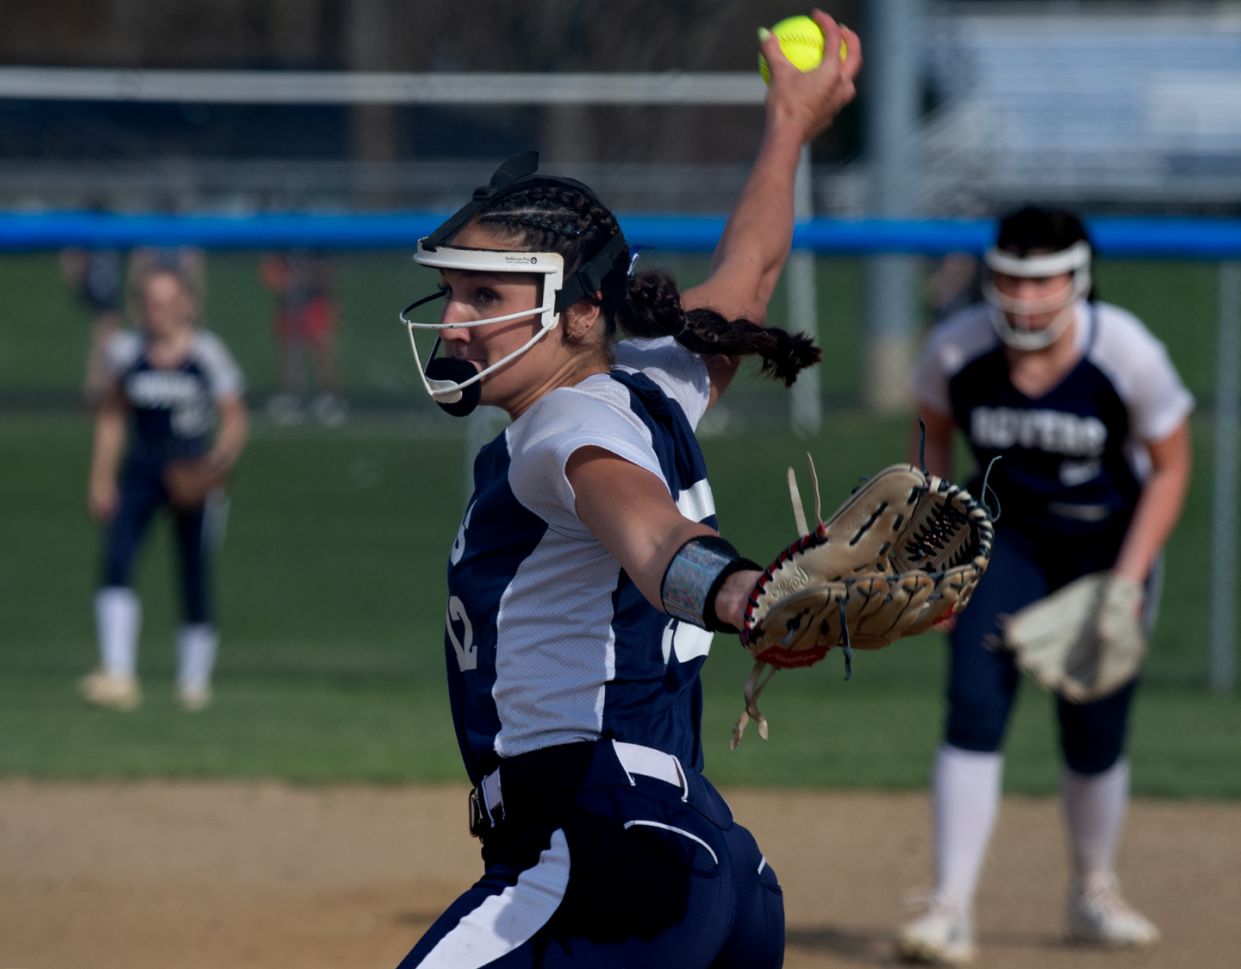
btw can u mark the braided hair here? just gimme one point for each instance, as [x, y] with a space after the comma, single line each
[546, 216]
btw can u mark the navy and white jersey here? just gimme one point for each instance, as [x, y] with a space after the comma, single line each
[172, 410]
[548, 641]
[1073, 460]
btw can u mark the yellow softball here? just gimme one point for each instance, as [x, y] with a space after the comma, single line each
[801, 39]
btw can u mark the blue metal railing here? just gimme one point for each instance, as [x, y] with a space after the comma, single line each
[1116, 236]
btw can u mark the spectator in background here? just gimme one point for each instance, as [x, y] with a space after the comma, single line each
[304, 322]
[94, 276]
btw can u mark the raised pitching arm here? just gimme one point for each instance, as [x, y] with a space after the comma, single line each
[759, 233]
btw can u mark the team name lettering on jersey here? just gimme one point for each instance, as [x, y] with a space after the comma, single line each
[1052, 431]
[184, 394]
[162, 388]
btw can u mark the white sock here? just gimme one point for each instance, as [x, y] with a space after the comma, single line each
[118, 620]
[1094, 807]
[966, 798]
[196, 646]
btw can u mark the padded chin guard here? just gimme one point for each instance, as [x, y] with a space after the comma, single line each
[456, 371]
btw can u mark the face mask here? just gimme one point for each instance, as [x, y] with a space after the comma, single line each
[1075, 259]
[454, 384]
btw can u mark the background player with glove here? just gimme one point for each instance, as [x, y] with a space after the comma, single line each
[1089, 418]
[170, 382]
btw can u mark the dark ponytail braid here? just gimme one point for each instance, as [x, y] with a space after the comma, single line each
[547, 216]
[653, 308]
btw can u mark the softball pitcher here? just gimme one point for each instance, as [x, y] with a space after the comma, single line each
[587, 576]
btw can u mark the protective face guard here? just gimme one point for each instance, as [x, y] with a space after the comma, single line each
[1075, 259]
[446, 379]
[453, 384]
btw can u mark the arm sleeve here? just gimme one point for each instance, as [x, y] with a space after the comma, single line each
[1139, 367]
[226, 378]
[1161, 401]
[122, 350]
[680, 374]
[963, 337]
[564, 421]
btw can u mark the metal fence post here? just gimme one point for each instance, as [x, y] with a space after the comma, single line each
[806, 404]
[1223, 669]
[894, 37]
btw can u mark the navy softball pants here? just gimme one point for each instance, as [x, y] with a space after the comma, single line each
[983, 679]
[142, 495]
[624, 875]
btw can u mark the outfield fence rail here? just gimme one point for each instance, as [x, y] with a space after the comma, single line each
[1151, 237]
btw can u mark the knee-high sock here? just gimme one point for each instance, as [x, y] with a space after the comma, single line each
[118, 620]
[196, 646]
[1094, 807]
[966, 792]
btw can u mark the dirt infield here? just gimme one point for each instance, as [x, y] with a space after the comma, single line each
[167, 875]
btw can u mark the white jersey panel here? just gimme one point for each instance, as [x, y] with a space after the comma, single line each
[1137, 365]
[122, 351]
[962, 337]
[221, 369]
[678, 372]
[595, 413]
[545, 693]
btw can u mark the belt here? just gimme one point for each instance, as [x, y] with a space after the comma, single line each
[487, 799]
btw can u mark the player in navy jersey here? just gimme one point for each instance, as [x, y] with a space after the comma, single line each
[172, 383]
[587, 576]
[1090, 420]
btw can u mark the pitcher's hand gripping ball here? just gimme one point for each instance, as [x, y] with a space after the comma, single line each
[1084, 641]
[903, 553]
[801, 41]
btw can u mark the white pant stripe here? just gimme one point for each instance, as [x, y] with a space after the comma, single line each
[680, 831]
[505, 921]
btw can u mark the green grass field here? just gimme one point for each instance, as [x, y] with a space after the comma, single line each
[331, 583]
[331, 592]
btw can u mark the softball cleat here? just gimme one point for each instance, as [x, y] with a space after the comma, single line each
[943, 936]
[111, 691]
[1098, 914]
[194, 698]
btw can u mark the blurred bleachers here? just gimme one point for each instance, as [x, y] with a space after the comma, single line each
[1132, 107]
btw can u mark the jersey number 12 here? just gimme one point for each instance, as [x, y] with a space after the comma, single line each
[467, 652]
